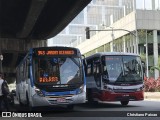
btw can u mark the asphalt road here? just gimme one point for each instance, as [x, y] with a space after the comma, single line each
[136, 110]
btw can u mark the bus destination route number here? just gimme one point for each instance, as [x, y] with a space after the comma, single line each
[48, 79]
[55, 52]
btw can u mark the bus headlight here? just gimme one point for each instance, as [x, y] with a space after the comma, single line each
[140, 89]
[108, 88]
[39, 92]
[81, 89]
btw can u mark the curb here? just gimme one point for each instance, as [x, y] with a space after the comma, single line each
[152, 96]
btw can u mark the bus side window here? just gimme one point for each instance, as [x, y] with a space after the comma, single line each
[97, 66]
[94, 69]
[97, 69]
[89, 69]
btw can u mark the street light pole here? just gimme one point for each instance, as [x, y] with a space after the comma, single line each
[112, 35]
[88, 33]
[88, 30]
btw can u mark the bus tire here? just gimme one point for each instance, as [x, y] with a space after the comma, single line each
[31, 108]
[124, 103]
[70, 107]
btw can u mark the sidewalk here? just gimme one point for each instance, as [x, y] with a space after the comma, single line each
[152, 96]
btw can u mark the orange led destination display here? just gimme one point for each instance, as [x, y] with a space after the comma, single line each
[55, 52]
[48, 79]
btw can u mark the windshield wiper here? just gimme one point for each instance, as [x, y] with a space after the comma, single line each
[135, 81]
[120, 81]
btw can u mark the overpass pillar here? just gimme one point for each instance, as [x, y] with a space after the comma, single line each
[155, 49]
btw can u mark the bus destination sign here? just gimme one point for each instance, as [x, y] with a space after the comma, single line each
[55, 52]
[48, 79]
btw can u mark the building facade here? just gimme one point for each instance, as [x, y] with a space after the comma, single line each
[144, 38]
[140, 17]
[95, 15]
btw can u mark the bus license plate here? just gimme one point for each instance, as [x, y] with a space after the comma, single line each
[61, 100]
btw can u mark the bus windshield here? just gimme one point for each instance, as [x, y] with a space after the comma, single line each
[122, 69]
[58, 70]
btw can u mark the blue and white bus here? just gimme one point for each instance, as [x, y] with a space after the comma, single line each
[49, 76]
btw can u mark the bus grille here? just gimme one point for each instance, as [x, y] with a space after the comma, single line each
[119, 98]
[57, 96]
[124, 90]
[55, 101]
[59, 89]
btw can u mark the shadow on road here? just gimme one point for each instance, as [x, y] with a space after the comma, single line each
[19, 108]
[109, 109]
[105, 105]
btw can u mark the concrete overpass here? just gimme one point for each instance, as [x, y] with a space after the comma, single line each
[29, 23]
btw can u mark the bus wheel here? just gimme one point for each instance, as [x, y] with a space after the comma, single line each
[124, 102]
[70, 107]
[33, 109]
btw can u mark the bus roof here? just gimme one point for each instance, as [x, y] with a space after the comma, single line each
[58, 47]
[111, 53]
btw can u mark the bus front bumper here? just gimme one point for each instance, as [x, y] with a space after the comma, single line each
[60, 100]
[111, 96]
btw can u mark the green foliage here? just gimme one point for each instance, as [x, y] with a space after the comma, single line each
[154, 67]
[143, 57]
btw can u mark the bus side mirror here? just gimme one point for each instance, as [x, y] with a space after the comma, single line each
[84, 61]
[103, 61]
[143, 66]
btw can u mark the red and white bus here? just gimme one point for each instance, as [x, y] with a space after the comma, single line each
[114, 76]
